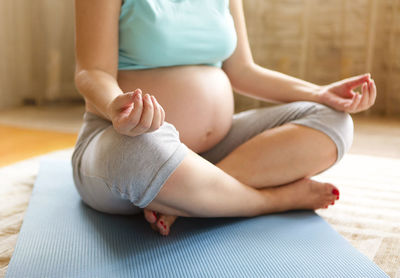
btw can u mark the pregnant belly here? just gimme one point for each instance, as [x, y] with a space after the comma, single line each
[197, 100]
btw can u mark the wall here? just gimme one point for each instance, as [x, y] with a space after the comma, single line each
[318, 40]
[323, 41]
[36, 51]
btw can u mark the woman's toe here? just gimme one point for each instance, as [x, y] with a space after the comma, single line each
[150, 215]
[335, 192]
[164, 223]
[332, 191]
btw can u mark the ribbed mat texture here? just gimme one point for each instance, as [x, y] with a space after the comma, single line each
[62, 237]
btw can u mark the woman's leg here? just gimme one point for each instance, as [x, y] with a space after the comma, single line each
[278, 145]
[288, 142]
[116, 174]
[280, 155]
[197, 188]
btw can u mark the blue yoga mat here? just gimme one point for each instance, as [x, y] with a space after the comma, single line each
[62, 237]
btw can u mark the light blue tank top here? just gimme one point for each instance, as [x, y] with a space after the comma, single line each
[162, 33]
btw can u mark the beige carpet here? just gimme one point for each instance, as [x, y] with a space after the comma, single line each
[368, 213]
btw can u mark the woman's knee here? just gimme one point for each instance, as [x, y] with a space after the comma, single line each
[347, 130]
[134, 168]
[338, 125]
[341, 122]
[122, 170]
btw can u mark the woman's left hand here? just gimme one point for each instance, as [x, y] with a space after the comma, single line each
[340, 95]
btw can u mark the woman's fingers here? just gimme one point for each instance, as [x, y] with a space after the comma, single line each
[162, 113]
[125, 122]
[372, 90]
[136, 114]
[156, 116]
[364, 103]
[147, 116]
[123, 102]
[354, 82]
[350, 102]
[123, 107]
[355, 103]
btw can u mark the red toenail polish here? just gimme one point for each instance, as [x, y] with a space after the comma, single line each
[162, 223]
[332, 203]
[337, 198]
[165, 227]
[335, 192]
[155, 215]
[326, 207]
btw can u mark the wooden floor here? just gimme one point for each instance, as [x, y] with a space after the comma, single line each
[22, 143]
[30, 131]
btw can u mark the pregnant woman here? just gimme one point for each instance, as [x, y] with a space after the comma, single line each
[160, 134]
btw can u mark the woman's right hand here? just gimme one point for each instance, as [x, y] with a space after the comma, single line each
[133, 114]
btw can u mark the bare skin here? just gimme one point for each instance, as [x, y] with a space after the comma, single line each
[199, 130]
[198, 101]
[284, 169]
[302, 194]
[260, 154]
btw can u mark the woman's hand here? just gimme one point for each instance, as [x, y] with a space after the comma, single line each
[340, 95]
[133, 114]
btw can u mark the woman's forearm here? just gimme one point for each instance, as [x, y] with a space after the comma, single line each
[273, 86]
[99, 88]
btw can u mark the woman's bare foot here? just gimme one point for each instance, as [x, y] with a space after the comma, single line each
[304, 193]
[159, 222]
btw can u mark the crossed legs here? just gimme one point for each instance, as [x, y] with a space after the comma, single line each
[272, 158]
[280, 155]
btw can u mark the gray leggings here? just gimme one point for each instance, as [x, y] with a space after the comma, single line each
[119, 174]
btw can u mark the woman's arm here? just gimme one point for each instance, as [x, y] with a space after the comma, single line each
[96, 51]
[252, 80]
[96, 47]
[273, 86]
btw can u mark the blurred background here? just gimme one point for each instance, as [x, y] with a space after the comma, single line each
[320, 41]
